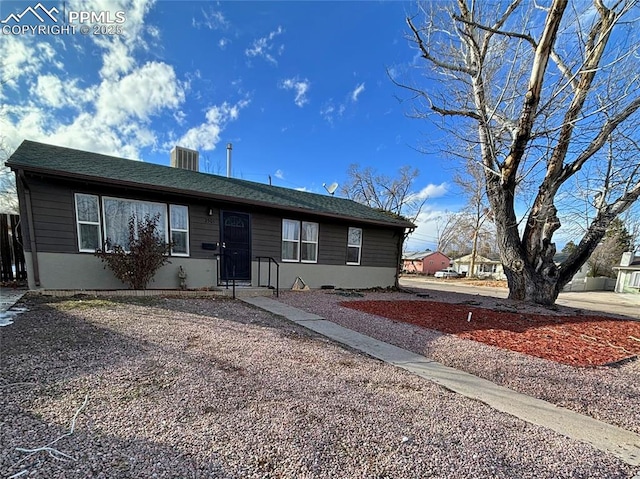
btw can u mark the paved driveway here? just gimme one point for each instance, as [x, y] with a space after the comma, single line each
[601, 301]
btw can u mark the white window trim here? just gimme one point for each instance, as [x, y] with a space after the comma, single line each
[179, 230]
[104, 217]
[296, 242]
[299, 242]
[634, 281]
[79, 222]
[302, 223]
[359, 246]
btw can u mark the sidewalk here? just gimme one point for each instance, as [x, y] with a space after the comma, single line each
[623, 444]
[9, 297]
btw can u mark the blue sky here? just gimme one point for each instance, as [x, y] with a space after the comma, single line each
[299, 88]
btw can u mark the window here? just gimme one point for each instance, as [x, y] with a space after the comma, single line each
[299, 241]
[117, 213]
[309, 246]
[290, 240]
[88, 222]
[635, 280]
[488, 268]
[354, 246]
[179, 230]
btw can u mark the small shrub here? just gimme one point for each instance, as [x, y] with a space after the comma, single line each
[147, 253]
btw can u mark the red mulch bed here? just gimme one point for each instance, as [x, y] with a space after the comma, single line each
[573, 340]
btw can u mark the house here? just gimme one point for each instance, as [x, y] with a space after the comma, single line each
[72, 202]
[424, 262]
[581, 281]
[628, 280]
[482, 268]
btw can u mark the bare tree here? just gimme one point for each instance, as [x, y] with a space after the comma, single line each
[447, 231]
[544, 91]
[477, 210]
[8, 192]
[392, 194]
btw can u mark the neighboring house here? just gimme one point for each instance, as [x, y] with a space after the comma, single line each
[581, 281]
[483, 267]
[425, 262]
[628, 274]
[72, 202]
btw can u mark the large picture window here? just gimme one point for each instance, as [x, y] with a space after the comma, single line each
[96, 231]
[354, 246]
[88, 222]
[299, 241]
[117, 213]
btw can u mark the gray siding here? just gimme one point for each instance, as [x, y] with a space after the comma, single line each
[380, 247]
[332, 244]
[266, 235]
[55, 230]
[53, 217]
[203, 229]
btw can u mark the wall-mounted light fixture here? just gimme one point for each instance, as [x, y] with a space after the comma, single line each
[210, 211]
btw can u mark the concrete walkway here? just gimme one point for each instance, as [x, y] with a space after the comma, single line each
[9, 297]
[621, 443]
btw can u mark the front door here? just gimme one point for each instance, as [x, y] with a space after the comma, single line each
[235, 238]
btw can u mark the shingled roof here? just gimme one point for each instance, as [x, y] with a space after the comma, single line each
[83, 165]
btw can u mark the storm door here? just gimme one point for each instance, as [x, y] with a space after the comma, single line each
[235, 233]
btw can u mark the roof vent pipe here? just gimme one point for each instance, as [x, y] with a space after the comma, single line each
[229, 148]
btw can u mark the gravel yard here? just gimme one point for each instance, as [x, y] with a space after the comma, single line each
[186, 388]
[610, 394]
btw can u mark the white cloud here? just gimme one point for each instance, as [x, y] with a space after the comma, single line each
[112, 112]
[264, 47]
[118, 49]
[356, 93]
[21, 57]
[425, 236]
[335, 110]
[112, 115]
[212, 19]
[117, 60]
[301, 87]
[431, 191]
[223, 42]
[330, 111]
[279, 174]
[206, 135]
[142, 93]
[56, 93]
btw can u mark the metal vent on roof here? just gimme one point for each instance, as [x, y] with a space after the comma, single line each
[185, 158]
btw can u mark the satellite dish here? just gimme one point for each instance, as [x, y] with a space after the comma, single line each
[331, 189]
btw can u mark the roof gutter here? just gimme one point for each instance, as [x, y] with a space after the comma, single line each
[32, 232]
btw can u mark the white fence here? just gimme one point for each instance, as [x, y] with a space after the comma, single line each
[591, 284]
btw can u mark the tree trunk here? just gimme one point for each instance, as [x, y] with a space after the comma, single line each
[531, 274]
[474, 252]
[532, 287]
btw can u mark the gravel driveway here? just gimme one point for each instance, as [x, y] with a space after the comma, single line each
[186, 388]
